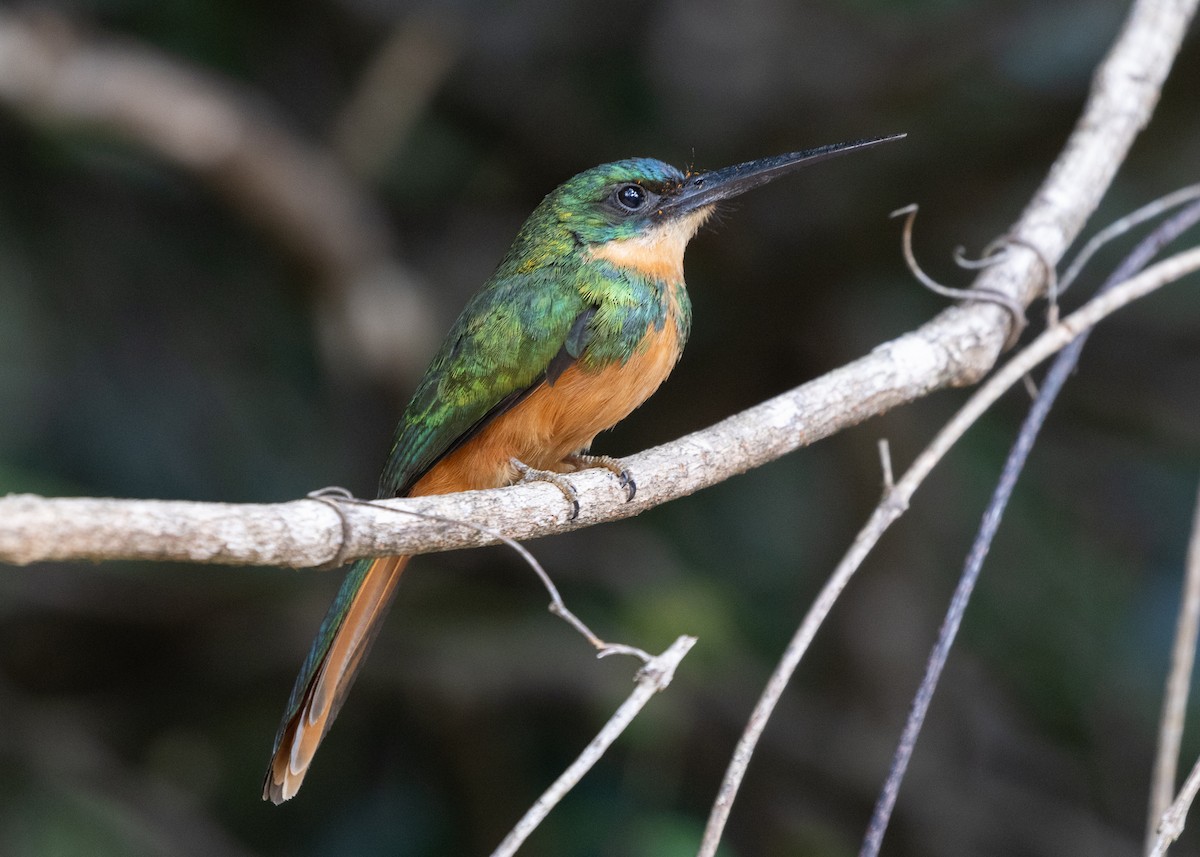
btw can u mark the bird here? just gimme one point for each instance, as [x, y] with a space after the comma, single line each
[583, 319]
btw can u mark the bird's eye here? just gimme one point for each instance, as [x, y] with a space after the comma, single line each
[630, 197]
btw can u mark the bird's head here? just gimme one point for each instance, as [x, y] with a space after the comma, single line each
[640, 213]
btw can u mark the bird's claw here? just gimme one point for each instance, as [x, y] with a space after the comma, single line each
[580, 462]
[562, 483]
[612, 465]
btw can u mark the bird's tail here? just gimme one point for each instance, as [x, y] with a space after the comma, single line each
[333, 662]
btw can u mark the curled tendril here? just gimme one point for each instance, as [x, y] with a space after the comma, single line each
[1008, 302]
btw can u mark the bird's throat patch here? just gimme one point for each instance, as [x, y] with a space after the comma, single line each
[658, 252]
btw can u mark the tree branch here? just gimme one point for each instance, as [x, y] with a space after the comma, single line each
[1125, 90]
[308, 533]
[954, 349]
[1052, 384]
[651, 679]
[53, 74]
[1171, 826]
[897, 500]
[1164, 827]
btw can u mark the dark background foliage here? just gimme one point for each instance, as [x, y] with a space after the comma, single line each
[155, 342]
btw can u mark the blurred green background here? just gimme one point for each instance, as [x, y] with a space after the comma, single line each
[164, 334]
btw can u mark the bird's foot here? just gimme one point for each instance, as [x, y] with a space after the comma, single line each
[613, 465]
[562, 483]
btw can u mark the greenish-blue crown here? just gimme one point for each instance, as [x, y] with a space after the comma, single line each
[597, 206]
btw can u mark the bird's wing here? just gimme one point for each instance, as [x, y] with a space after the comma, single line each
[513, 335]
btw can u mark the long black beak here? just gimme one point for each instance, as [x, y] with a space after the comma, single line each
[701, 189]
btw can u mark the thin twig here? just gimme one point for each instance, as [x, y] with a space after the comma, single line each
[1122, 225]
[1048, 270]
[993, 254]
[394, 89]
[1170, 729]
[652, 678]
[1172, 823]
[998, 251]
[1125, 89]
[1171, 826]
[1015, 309]
[335, 495]
[1062, 368]
[897, 501]
[885, 464]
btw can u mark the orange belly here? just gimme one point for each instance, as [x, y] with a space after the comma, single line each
[556, 421]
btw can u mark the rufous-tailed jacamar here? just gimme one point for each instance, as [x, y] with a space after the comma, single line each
[584, 317]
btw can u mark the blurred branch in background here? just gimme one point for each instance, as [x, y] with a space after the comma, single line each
[371, 310]
[392, 92]
[1166, 815]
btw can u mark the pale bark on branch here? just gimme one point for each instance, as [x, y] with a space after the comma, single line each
[309, 533]
[652, 678]
[954, 349]
[1125, 90]
[1168, 811]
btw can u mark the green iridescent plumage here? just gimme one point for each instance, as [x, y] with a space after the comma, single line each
[511, 331]
[582, 290]
[513, 328]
